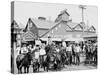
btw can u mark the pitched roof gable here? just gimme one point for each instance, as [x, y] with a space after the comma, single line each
[92, 29]
[28, 36]
[78, 28]
[72, 24]
[68, 28]
[64, 11]
[31, 27]
[14, 24]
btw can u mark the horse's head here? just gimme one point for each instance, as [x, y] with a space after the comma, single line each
[29, 56]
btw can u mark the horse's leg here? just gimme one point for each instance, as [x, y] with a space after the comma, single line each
[27, 69]
[47, 67]
[78, 60]
[24, 69]
[44, 68]
[73, 59]
[20, 70]
[37, 65]
[33, 67]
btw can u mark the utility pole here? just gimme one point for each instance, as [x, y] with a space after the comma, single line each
[87, 24]
[82, 7]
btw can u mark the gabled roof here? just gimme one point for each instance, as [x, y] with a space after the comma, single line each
[68, 28]
[28, 36]
[72, 24]
[14, 24]
[43, 23]
[31, 28]
[59, 29]
[59, 18]
[78, 28]
[92, 29]
[50, 29]
[64, 11]
[15, 27]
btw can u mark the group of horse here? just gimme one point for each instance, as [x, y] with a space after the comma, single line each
[52, 60]
[91, 55]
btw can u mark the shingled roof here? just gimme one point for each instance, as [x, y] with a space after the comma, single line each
[43, 23]
[32, 27]
[61, 26]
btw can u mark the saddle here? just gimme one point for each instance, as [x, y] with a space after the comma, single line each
[20, 57]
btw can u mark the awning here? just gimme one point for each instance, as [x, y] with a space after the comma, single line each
[52, 39]
[44, 39]
[74, 39]
[56, 39]
[86, 36]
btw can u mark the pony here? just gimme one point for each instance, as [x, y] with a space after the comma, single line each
[62, 57]
[23, 60]
[35, 62]
[51, 62]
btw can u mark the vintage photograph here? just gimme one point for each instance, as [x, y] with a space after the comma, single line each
[50, 37]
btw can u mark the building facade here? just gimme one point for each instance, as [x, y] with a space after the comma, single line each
[62, 28]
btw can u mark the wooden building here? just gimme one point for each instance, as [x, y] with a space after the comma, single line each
[66, 29]
[35, 28]
[62, 28]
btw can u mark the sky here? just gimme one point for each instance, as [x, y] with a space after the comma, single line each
[25, 10]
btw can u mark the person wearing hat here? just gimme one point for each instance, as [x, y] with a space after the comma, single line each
[77, 52]
[37, 54]
[42, 53]
[24, 49]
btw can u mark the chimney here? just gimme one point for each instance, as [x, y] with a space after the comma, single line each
[41, 18]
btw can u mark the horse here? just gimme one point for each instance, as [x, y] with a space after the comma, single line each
[94, 55]
[23, 60]
[63, 57]
[35, 62]
[51, 61]
[36, 66]
[45, 63]
[58, 62]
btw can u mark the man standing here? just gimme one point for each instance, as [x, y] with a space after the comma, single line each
[37, 53]
[38, 42]
[42, 53]
[64, 44]
[69, 54]
[77, 51]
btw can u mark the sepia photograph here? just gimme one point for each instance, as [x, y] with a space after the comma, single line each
[52, 37]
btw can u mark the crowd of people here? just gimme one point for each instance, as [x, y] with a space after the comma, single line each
[70, 53]
[73, 50]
